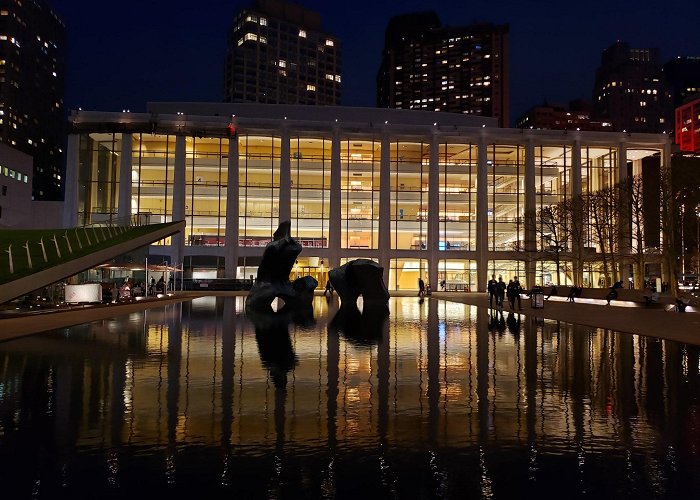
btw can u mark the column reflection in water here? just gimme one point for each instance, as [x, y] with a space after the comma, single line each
[437, 399]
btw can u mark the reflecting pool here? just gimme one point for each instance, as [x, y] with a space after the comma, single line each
[434, 400]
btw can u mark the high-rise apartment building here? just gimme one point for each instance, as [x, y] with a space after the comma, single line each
[455, 69]
[629, 92]
[278, 53]
[682, 76]
[31, 90]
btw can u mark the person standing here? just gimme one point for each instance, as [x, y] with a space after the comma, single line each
[500, 292]
[516, 291]
[421, 288]
[492, 288]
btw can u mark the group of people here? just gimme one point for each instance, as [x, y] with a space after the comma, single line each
[157, 286]
[499, 290]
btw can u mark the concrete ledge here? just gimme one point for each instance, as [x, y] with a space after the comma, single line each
[621, 316]
[31, 323]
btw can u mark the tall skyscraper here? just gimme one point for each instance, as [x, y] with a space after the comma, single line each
[629, 92]
[682, 76]
[278, 53]
[31, 90]
[456, 69]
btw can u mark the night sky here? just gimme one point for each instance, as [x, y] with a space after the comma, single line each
[126, 53]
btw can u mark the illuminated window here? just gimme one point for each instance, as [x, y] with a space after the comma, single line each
[329, 77]
[310, 87]
[263, 21]
[282, 63]
[337, 78]
[302, 33]
[251, 36]
[330, 43]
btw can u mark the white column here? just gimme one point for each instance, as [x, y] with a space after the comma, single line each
[178, 240]
[385, 206]
[624, 225]
[576, 187]
[124, 208]
[482, 222]
[434, 212]
[285, 200]
[70, 204]
[334, 230]
[232, 211]
[576, 191]
[530, 215]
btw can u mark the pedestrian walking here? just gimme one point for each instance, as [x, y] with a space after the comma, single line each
[421, 288]
[513, 291]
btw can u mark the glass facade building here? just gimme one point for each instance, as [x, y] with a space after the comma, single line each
[444, 197]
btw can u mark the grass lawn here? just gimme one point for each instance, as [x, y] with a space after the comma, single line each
[59, 246]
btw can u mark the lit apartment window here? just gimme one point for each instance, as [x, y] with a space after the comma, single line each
[329, 43]
[251, 36]
[310, 87]
[263, 39]
[337, 78]
[302, 33]
[252, 19]
[329, 77]
[263, 21]
[283, 63]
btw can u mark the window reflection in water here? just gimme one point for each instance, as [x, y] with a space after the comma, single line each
[438, 401]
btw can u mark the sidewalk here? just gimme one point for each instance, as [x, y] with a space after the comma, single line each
[663, 323]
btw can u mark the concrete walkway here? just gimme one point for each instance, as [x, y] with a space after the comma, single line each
[623, 316]
[657, 321]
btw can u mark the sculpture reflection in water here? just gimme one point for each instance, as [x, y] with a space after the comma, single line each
[360, 278]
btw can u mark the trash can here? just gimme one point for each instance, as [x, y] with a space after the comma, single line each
[537, 298]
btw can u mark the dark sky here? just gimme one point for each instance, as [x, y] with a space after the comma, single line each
[126, 53]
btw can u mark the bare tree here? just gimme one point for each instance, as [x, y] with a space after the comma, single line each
[635, 190]
[604, 210]
[553, 232]
[575, 210]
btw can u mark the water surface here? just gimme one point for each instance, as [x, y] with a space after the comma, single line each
[435, 400]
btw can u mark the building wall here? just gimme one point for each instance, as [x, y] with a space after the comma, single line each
[15, 188]
[277, 53]
[457, 69]
[442, 202]
[32, 88]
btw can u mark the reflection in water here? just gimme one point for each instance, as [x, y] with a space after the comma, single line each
[435, 400]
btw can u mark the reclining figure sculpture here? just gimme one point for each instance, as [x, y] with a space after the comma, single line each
[273, 276]
[360, 277]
